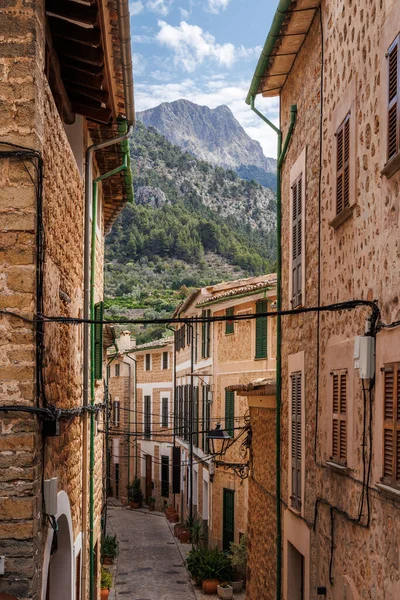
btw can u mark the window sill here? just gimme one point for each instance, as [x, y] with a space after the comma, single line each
[341, 217]
[338, 468]
[261, 358]
[389, 491]
[392, 166]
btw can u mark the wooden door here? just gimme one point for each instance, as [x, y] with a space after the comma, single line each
[228, 527]
[148, 478]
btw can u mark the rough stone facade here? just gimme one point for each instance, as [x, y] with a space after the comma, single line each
[325, 542]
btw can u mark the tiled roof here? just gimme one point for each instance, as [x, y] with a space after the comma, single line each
[258, 386]
[155, 344]
[239, 287]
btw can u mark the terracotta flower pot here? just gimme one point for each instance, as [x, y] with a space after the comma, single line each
[173, 518]
[209, 586]
[184, 536]
[107, 560]
[151, 507]
[169, 511]
[104, 594]
[134, 504]
[177, 529]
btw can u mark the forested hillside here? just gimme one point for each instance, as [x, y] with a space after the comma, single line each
[192, 224]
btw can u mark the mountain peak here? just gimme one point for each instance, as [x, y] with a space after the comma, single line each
[211, 134]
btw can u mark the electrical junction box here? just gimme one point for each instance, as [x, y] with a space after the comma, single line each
[50, 489]
[365, 361]
[2, 565]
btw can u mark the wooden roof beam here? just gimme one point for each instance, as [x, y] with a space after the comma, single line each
[70, 31]
[81, 52]
[102, 115]
[81, 13]
[56, 83]
[75, 76]
[100, 96]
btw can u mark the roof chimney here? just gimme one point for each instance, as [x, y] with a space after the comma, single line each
[124, 342]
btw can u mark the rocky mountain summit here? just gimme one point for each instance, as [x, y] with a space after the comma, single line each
[213, 135]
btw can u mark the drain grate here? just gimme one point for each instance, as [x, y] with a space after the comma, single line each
[171, 572]
[181, 582]
[144, 569]
[180, 566]
[171, 543]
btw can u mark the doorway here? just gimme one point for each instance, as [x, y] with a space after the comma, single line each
[295, 574]
[228, 528]
[59, 576]
[149, 487]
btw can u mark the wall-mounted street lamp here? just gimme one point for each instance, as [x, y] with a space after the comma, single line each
[219, 440]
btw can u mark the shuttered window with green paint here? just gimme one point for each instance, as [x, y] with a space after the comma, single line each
[229, 412]
[261, 330]
[229, 325]
[98, 341]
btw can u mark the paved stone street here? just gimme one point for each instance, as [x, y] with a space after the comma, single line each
[149, 566]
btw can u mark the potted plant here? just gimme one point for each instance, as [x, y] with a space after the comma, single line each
[215, 567]
[135, 495]
[195, 527]
[238, 556]
[151, 503]
[225, 590]
[109, 549]
[184, 535]
[194, 563]
[105, 583]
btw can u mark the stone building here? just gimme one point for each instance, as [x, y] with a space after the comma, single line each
[338, 525]
[65, 84]
[211, 358]
[141, 418]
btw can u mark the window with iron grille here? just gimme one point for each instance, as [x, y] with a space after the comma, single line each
[147, 362]
[165, 360]
[393, 116]
[164, 412]
[230, 412]
[98, 341]
[296, 435]
[116, 413]
[343, 166]
[117, 370]
[391, 425]
[297, 241]
[339, 417]
[229, 325]
[147, 417]
[261, 330]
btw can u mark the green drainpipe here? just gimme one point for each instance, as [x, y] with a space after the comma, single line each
[281, 158]
[125, 167]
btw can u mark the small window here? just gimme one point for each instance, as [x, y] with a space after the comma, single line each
[117, 370]
[339, 417]
[343, 166]
[98, 341]
[261, 330]
[116, 408]
[230, 412]
[165, 476]
[297, 241]
[229, 325]
[205, 334]
[296, 435]
[391, 425]
[165, 360]
[147, 366]
[147, 417]
[393, 141]
[164, 412]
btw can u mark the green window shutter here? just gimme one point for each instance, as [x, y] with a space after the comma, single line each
[230, 412]
[261, 330]
[203, 336]
[229, 325]
[98, 341]
[208, 314]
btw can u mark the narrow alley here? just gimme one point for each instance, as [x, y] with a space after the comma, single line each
[149, 566]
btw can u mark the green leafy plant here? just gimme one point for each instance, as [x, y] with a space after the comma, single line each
[106, 579]
[238, 557]
[225, 585]
[110, 547]
[135, 494]
[215, 564]
[194, 561]
[196, 529]
[151, 500]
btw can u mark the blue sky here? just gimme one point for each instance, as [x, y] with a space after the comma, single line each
[204, 51]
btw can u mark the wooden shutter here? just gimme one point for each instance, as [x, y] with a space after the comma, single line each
[343, 166]
[229, 325]
[393, 100]
[203, 336]
[98, 341]
[339, 417]
[148, 362]
[208, 337]
[165, 360]
[230, 412]
[164, 412]
[165, 476]
[147, 417]
[297, 241]
[296, 431]
[176, 470]
[261, 330]
[196, 416]
[391, 425]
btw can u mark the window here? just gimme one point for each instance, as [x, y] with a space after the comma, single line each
[391, 425]
[339, 418]
[206, 416]
[261, 330]
[108, 372]
[78, 576]
[165, 360]
[393, 141]
[186, 389]
[116, 413]
[229, 325]
[230, 412]
[297, 241]
[196, 416]
[343, 165]
[147, 417]
[117, 370]
[147, 362]
[164, 412]
[98, 341]
[205, 334]
[296, 434]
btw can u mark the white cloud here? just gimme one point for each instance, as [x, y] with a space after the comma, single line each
[191, 45]
[215, 6]
[161, 7]
[135, 8]
[139, 64]
[142, 39]
[232, 95]
[185, 14]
